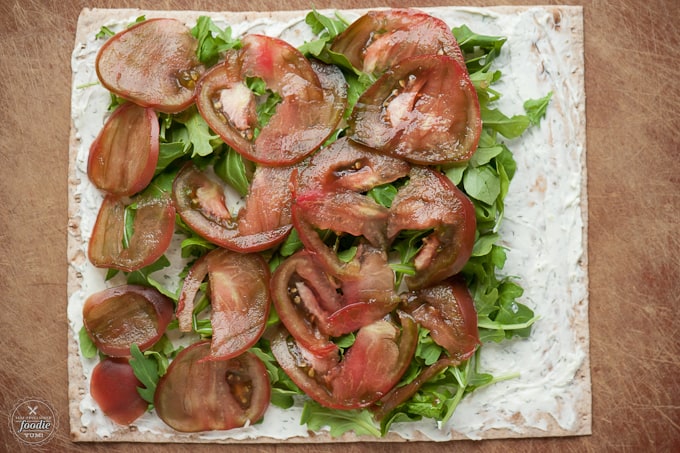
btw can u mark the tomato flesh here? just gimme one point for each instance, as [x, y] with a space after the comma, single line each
[113, 386]
[153, 227]
[306, 116]
[152, 64]
[201, 395]
[424, 109]
[124, 155]
[118, 317]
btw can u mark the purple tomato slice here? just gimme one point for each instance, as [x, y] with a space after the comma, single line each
[152, 64]
[118, 317]
[124, 155]
[113, 385]
[201, 203]
[308, 112]
[152, 229]
[349, 383]
[431, 200]
[203, 395]
[447, 310]
[424, 109]
[381, 39]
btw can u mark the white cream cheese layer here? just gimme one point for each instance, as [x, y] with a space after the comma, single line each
[543, 230]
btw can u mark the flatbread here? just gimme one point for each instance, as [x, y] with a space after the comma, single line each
[545, 231]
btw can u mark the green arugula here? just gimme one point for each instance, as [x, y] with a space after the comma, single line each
[146, 370]
[212, 40]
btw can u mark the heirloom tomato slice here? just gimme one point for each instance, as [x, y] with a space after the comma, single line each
[348, 383]
[431, 200]
[447, 310]
[315, 303]
[153, 225]
[380, 39]
[124, 155]
[201, 203]
[239, 299]
[113, 385]
[202, 395]
[152, 64]
[330, 193]
[118, 317]
[305, 117]
[424, 109]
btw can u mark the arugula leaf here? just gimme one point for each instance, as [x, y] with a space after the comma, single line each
[231, 168]
[536, 108]
[482, 183]
[509, 127]
[87, 346]
[383, 195]
[146, 370]
[212, 40]
[317, 417]
[129, 215]
[283, 389]
[199, 134]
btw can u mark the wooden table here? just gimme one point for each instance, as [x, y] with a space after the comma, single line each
[633, 145]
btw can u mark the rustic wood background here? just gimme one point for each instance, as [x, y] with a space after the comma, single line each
[633, 147]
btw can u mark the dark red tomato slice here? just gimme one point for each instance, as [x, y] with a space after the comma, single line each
[306, 116]
[300, 278]
[350, 383]
[315, 305]
[424, 109]
[202, 395]
[239, 296]
[117, 317]
[113, 386]
[431, 200]
[380, 39]
[448, 312]
[124, 155]
[268, 203]
[200, 200]
[152, 64]
[329, 192]
[153, 227]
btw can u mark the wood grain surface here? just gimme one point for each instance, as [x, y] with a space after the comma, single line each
[633, 150]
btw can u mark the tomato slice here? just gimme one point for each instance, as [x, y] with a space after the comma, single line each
[423, 109]
[152, 64]
[124, 155]
[350, 383]
[380, 39]
[431, 200]
[239, 297]
[268, 203]
[306, 116]
[153, 227]
[113, 385]
[447, 310]
[201, 395]
[329, 193]
[200, 200]
[117, 317]
[315, 304]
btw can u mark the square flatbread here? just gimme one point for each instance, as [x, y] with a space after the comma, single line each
[545, 232]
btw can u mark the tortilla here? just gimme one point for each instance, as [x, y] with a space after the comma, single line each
[545, 231]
